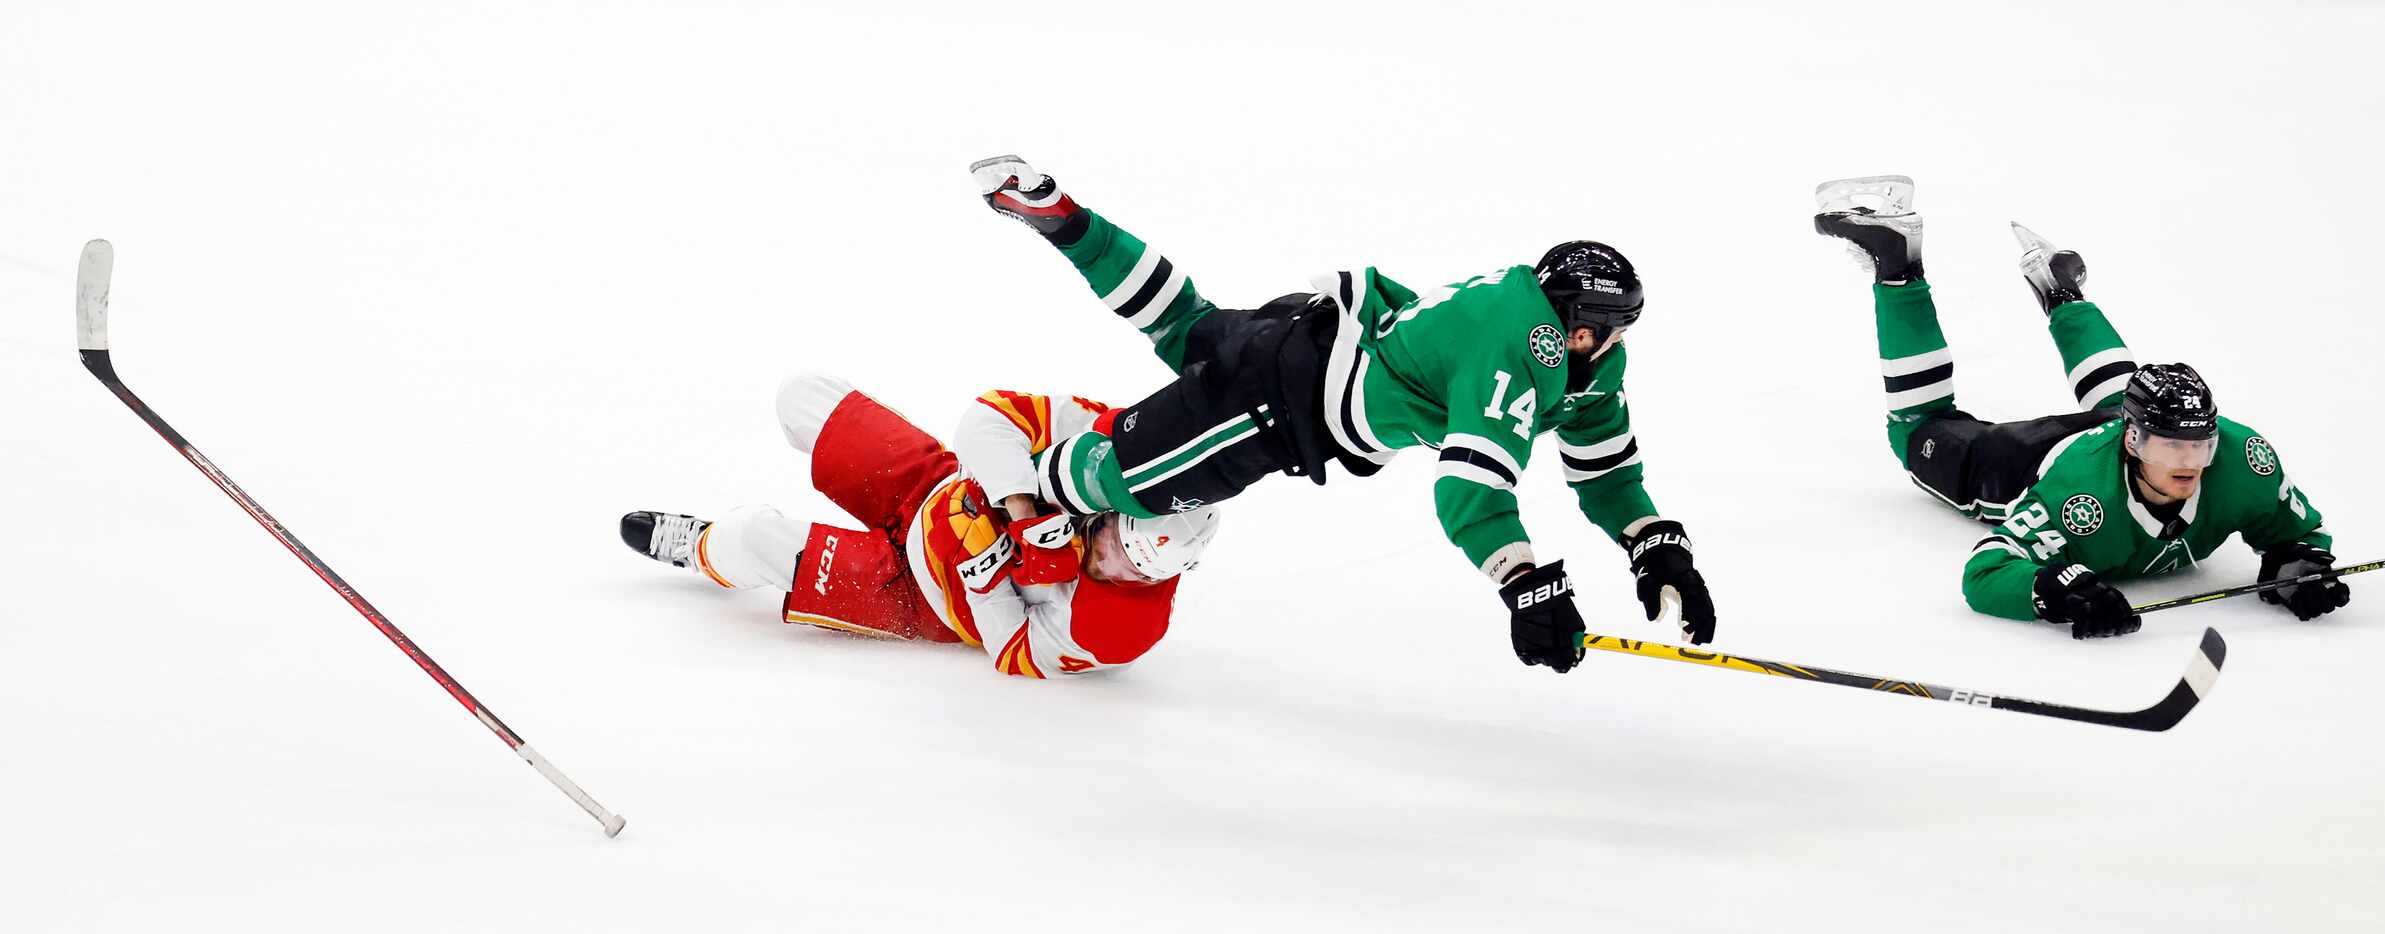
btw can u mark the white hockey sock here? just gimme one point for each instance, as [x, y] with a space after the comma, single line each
[752, 546]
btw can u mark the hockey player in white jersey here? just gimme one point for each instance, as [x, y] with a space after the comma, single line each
[957, 546]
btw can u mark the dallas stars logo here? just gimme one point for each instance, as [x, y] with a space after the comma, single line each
[2082, 515]
[1547, 345]
[2259, 457]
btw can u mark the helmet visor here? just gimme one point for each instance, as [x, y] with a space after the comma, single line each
[2174, 453]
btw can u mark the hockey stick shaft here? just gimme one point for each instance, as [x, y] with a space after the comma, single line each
[2240, 590]
[2202, 673]
[91, 303]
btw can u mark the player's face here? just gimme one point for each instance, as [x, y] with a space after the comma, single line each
[1584, 340]
[2171, 466]
[1106, 561]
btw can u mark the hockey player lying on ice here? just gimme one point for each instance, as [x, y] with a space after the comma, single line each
[1361, 368]
[956, 547]
[2147, 479]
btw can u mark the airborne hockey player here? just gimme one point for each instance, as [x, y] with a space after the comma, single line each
[1360, 368]
[2147, 479]
[956, 547]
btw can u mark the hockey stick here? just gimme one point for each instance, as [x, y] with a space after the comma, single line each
[2240, 590]
[2202, 672]
[91, 335]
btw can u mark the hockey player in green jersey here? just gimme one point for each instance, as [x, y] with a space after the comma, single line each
[2147, 478]
[1360, 367]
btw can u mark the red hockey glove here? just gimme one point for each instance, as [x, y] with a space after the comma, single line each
[1046, 555]
[981, 571]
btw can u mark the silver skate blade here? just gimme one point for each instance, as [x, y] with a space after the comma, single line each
[991, 173]
[2030, 241]
[2036, 255]
[1883, 194]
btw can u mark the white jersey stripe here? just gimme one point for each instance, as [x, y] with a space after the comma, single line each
[2105, 388]
[2096, 361]
[1485, 447]
[1474, 474]
[1118, 297]
[1994, 544]
[1577, 476]
[1608, 448]
[1159, 303]
[1942, 389]
[1357, 401]
[1907, 366]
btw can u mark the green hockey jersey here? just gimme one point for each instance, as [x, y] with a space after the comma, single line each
[1477, 370]
[2082, 510]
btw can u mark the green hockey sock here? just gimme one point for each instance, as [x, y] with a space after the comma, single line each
[2093, 356]
[1139, 285]
[1915, 367]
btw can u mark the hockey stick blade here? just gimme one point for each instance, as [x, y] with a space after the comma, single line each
[92, 279]
[2242, 589]
[2202, 674]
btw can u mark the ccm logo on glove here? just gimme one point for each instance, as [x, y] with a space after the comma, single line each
[1048, 532]
[981, 571]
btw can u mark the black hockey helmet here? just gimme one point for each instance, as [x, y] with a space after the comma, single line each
[2170, 400]
[1590, 285]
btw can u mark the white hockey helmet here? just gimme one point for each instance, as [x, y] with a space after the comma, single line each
[1169, 545]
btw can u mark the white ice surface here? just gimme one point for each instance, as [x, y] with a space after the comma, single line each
[449, 286]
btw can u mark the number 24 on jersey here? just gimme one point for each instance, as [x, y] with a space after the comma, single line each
[2028, 523]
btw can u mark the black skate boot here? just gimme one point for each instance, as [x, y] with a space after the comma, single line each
[1874, 214]
[1014, 189]
[2055, 275]
[666, 537]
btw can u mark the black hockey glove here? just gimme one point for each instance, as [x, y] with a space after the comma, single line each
[1659, 562]
[2307, 601]
[1542, 621]
[2069, 593]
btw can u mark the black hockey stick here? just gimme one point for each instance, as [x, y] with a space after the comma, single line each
[2240, 590]
[2202, 672]
[91, 335]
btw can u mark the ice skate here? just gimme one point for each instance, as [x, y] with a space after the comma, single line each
[1874, 214]
[1014, 189]
[666, 537]
[2056, 275]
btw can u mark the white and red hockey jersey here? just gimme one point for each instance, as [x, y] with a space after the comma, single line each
[1037, 630]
